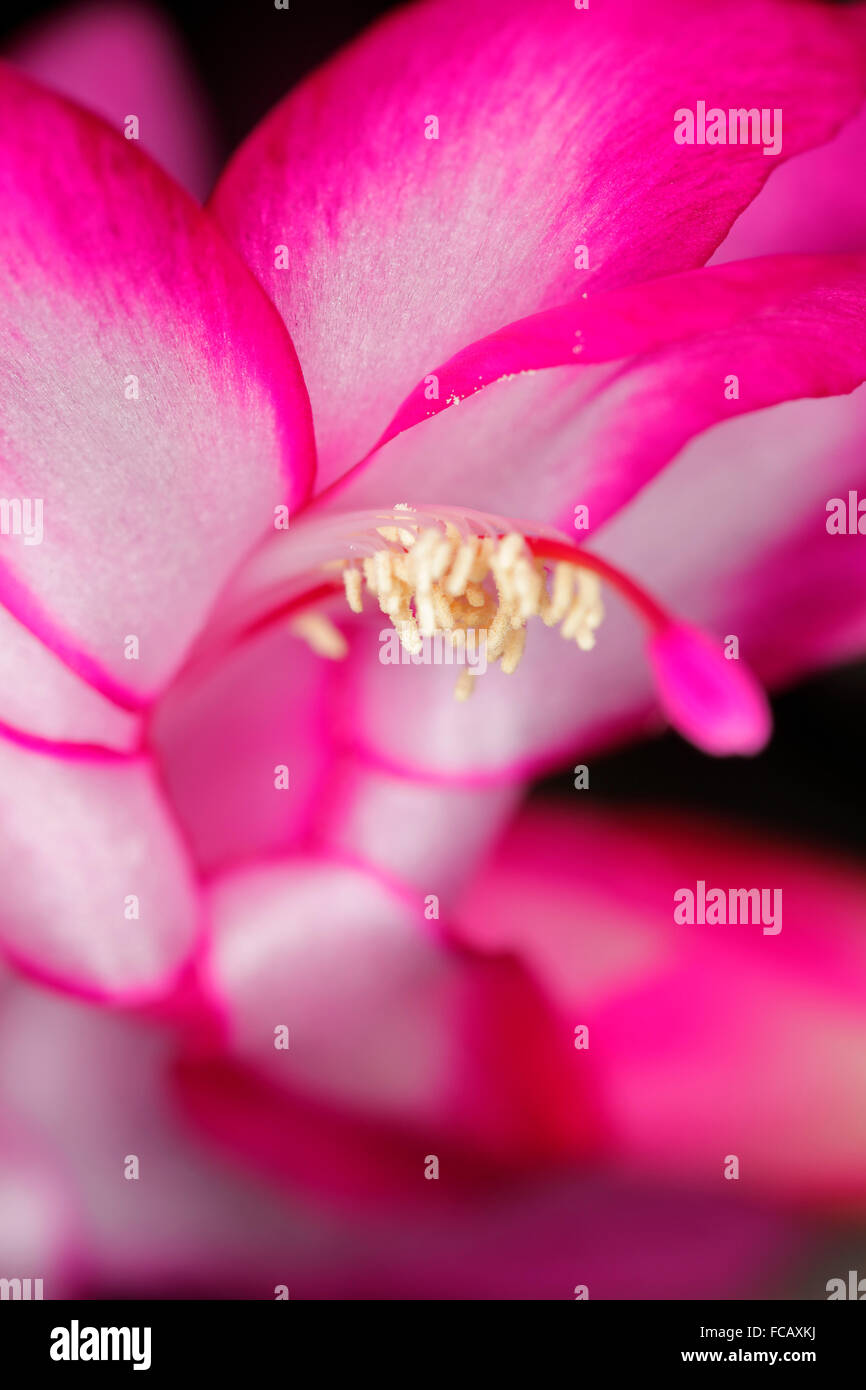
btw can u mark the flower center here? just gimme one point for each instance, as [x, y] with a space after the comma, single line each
[439, 571]
[436, 578]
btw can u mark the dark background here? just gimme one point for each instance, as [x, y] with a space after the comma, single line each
[808, 784]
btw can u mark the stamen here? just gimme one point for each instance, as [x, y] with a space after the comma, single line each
[513, 650]
[320, 634]
[438, 569]
[429, 576]
[465, 685]
[353, 584]
[560, 599]
[458, 576]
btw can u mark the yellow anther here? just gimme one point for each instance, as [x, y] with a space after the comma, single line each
[458, 575]
[465, 685]
[441, 558]
[408, 632]
[561, 595]
[369, 568]
[432, 580]
[528, 584]
[320, 634]
[353, 583]
[499, 630]
[481, 565]
[514, 644]
[426, 613]
[442, 609]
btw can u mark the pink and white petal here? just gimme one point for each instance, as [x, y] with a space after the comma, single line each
[39, 1236]
[558, 702]
[149, 503]
[425, 834]
[81, 1089]
[734, 535]
[394, 1038]
[555, 129]
[651, 367]
[122, 58]
[98, 1089]
[80, 838]
[731, 536]
[44, 703]
[220, 737]
[706, 1040]
[815, 202]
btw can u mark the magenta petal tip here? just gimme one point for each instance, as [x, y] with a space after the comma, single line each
[713, 700]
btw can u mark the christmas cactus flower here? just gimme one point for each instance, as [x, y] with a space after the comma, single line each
[456, 435]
